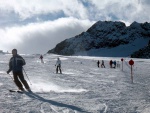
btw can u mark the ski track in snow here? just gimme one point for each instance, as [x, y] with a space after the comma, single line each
[82, 88]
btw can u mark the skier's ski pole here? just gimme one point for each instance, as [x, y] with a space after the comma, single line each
[26, 75]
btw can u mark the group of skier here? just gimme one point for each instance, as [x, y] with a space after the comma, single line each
[112, 64]
[102, 64]
[16, 64]
[58, 64]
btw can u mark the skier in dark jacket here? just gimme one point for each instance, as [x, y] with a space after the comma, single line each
[114, 64]
[110, 63]
[15, 65]
[98, 62]
[41, 57]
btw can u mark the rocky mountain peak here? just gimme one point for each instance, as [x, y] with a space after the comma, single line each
[105, 35]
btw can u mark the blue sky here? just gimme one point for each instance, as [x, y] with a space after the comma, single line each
[36, 26]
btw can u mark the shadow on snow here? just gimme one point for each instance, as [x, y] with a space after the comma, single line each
[35, 96]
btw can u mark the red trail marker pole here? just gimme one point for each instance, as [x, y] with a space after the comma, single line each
[131, 62]
[122, 63]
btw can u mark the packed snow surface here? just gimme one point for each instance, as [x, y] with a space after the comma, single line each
[81, 88]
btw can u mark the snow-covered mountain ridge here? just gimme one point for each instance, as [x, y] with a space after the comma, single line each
[106, 38]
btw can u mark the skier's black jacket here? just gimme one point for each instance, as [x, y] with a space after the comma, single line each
[15, 64]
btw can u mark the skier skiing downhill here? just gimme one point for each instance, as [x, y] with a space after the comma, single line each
[58, 65]
[41, 57]
[15, 65]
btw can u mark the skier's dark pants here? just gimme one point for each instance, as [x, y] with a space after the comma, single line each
[19, 75]
[103, 66]
[58, 67]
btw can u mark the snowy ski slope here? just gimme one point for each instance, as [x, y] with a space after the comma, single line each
[83, 87]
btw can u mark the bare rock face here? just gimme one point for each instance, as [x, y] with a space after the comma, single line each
[104, 34]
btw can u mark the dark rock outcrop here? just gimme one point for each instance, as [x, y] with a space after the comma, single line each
[103, 34]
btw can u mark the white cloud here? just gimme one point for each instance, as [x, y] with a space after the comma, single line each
[23, 24]
[98, 10]
[40, 37]
[74, 8]
[127, 10]
[27, 9]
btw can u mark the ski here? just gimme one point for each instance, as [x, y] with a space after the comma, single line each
[57, 73]
[18, 91]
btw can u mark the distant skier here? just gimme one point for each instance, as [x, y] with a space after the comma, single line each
[102, 65]
[114, 64]
[58, 65]
[15, 65]
[110, 63]
[98, 62]
[41, 57]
